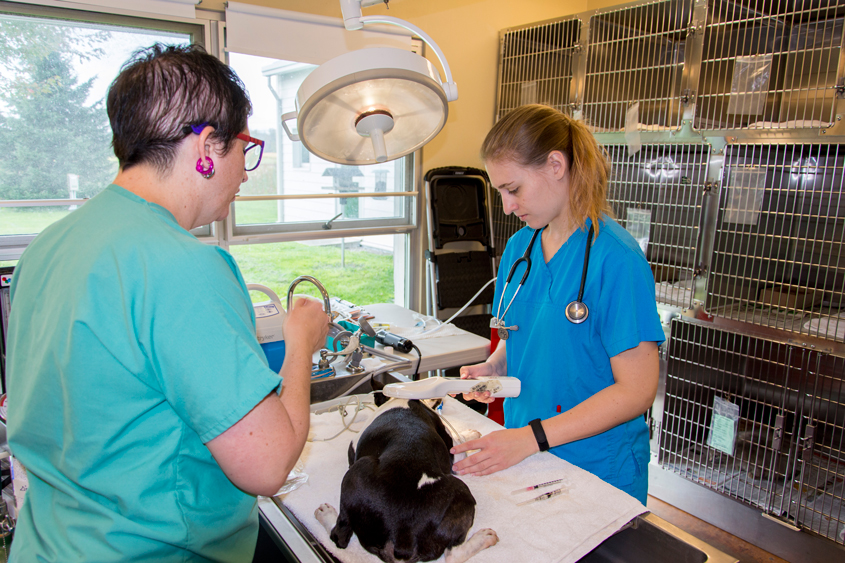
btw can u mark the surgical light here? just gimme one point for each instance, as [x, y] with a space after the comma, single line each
[372, 105]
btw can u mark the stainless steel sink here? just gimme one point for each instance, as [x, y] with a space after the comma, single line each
[346, 384]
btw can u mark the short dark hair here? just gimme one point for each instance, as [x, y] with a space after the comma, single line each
[162, 90]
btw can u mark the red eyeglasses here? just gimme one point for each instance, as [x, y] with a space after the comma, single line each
[252, 157]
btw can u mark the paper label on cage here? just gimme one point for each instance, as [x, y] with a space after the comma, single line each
[638, 223]
[632, 129]
[528, 93]
[723, 426]
[750, 84]
[746, 193]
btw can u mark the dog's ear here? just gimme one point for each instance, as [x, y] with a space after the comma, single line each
[454, 524]
[342, 531]
[350, 454]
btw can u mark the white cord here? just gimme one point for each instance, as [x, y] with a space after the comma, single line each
[461, 310]
[455, 434]
[341, 408]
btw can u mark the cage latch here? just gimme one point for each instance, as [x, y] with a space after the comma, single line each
[708, 187]
[840, 88]
[809, 442]
[777, 442]
[686, 96]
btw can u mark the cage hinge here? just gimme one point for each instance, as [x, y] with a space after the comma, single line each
[653, 427]
[809, 442]
[777, 442]
[687, 96]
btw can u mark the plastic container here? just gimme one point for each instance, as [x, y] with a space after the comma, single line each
[269, 321]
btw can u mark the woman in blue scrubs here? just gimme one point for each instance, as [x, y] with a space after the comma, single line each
[585, 386]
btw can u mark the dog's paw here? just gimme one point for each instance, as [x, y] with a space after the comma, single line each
[326, 515]
[480, 540]
[486, 537]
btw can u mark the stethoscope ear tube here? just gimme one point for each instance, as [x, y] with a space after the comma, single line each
[577, 312]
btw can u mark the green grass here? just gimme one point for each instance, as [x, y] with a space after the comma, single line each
[367, 277]
[27, 221]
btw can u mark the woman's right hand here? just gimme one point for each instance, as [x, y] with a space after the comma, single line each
[307, 321]
[474, 372]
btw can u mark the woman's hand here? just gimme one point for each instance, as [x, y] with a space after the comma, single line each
[307, 324]
[474, 372]
[496, 451]
[495, 366]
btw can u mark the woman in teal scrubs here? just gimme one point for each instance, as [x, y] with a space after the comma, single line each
[140, 401]
[585, 386]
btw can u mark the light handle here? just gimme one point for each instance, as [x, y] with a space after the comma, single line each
[285, 118]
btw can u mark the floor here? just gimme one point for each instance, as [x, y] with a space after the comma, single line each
[720, 539]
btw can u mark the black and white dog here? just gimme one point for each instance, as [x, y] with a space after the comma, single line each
[399, 495]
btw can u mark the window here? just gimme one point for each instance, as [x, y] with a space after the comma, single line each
[301, 156]
[53, 83]
[297, 196]
[296, 215]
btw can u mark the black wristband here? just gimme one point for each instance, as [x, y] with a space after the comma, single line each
[539, 434]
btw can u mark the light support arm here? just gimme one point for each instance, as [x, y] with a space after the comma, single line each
[449, 86]
[353, 20]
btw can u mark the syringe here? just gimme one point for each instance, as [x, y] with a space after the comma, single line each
[544, 496]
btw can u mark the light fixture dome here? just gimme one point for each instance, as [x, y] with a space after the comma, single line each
[370, 105]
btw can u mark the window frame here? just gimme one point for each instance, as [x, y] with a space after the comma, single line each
[13, 245]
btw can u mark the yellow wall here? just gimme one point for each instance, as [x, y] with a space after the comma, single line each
[468, 33]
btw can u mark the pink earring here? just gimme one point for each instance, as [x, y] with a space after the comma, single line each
[206, 173]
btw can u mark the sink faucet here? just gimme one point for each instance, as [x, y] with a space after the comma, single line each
[326, 304]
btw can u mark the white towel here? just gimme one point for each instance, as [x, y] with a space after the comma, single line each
[563, 528]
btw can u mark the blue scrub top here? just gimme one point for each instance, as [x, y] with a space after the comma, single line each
[560, 363]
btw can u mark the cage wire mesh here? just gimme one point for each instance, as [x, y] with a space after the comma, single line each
[758, 421]
[779, 237]
[770, 65]
[635, 63]
[657, 196]
[535, 65]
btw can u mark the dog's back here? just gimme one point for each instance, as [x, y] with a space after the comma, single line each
[399, 495]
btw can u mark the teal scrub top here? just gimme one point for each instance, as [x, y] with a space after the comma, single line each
[560, 363]
[131, 345]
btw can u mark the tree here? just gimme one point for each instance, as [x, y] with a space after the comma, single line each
[46, 129]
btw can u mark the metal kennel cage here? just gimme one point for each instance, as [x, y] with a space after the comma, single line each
[731, 172]
[536, 65]
[636, 56]
[760, 421]
[657, 196]
[770, 65]
[780, 239]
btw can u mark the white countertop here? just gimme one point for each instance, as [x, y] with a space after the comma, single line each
[456, 347]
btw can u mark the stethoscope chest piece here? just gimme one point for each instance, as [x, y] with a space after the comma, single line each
[577, 312]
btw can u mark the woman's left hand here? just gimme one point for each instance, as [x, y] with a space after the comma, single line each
[496, 451]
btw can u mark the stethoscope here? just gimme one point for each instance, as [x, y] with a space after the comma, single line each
[576, 312]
